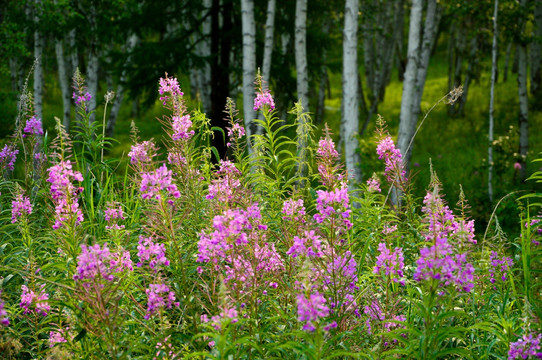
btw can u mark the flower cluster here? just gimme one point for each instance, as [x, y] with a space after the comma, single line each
[327, 159]
[374, 313]
[395, 170]
[311, 309]
[152, 183]
[308, 245]
[64, 193]
[341, 276]
[228, 314]
[499, 266]
[226, 184]
[81, 98]
[154, 253]
[56, 337]
[142, 153]
[180, 125]
[333, 202]
[439, 261]
[114, 213]
[96, 262]
[33, 126]
[29, 300]
[165, 347]
[264, 98]
[392, 263]
[525, 347]
[236, 131]
[169, 85]
[294, 210]
[4, 320]
[373, 185]
[20, 205]
[159, 296]
[536, 223]
[8, 156]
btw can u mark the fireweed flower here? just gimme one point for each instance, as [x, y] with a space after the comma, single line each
[217, 321]
[19, 206]
[293, 210]
[56, 337]
[374, 313]
[8, 156]
[311, 309]
[142, 153]
[159, 296]
[264, 98]
[499, 266]
[180, 125]
[82, 99]
[32, 301]
[373, 185]
[224, 187]
[391, 263]
[169, 86]
[526, 347]
[310, 244]
[535, 223]
[341, 276]
[111, 215]
[153, 253]
[96, 263]
[333, 202]
[64, 193]
[33, 126]
[152, 184]
[327, 158]
[4, 320]
[440, 261]
[395, 170]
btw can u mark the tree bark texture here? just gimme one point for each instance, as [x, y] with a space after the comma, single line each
[38, 69]
[492, 102]
[301, 52]
[249, 65]
[64, 81]
[523, 118]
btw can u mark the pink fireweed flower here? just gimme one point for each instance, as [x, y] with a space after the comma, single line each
[517, 166]
[81, 99]
[32, 301]
[389, 229]
[293, 210]
[56, 337]
[526, 347]
[333, 202]
[64, 193]
[114, 213]
[152, 184]
[180, 125]
[21, 205]
[391, 263]
[4, 320]
[33, 126]
[175, 158]
[8, 156]
[264, 98]
[373, 185]
[326, 149]
[395, 170]
[311, 309]
[374, 313]
[96, 263]
[341, 275]
[327, 157]
[159, 297]
[171, 86]
[142, 153]
[499, 266]
[224, 187]
[308, 245]
[226, 315]
[236, 132]
[153, 253]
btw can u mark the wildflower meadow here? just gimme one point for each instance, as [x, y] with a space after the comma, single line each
[272, 253]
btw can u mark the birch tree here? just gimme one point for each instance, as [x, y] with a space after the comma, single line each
[523, 118]
[416, 71]
[38, 55]
[93, 61]
[249, 64]
[301, 52]
[64, 81]
[491, 102]
[350, 117]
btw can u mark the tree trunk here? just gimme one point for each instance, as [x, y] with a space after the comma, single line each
[491, 103]
[506, 62]
[249, 65]
[523, 100]
[269, 34]
[38, 69]
[407, 120]
[301, 52]
[473, 60]
[350, 112]
[64, 81]
[203, 49]
[93, 63]
[74, 57]
[536, 54]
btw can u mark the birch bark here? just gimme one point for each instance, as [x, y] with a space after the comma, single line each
[249, 65]
[523, 100]
[64, 81]
[301, 52]
[93, 63]
[38, 69]
[491, 102]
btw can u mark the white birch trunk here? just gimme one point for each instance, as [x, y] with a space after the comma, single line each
[249, 64]
[491, 103]
[523, 101]
[473, 59]
[64, 81]
[301, 53]
[269, 36]
[13, 73]
[38, 69]
[92, 66]
[407, 121]
[74, 58]
[507, 61]
[350, 116]
[203, 49]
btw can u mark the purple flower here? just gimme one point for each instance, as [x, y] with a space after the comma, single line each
[373, 185]
[395, 170]
[8, 156]
[33, 126]
[56, 337]
[152, 183]
[142, 153]
[154, 253]
[392, 263]
[326, 149]
[236, 131]
[374, 311]
[81, 99]
[96, 263]
[331, 203]
[525, 347]
[293, 210]
[311, 309]
[4, 320]
[228, 314]
[64, 193]
[226, 184]
[308, 245]
[171, 86]
[264, 98]
[19, 206]
[112, 214]
[38, 302]
[180, 125]
[327, 162]
[499, 266]
[158, 297]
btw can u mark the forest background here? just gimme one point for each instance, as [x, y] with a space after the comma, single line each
[347, 61]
